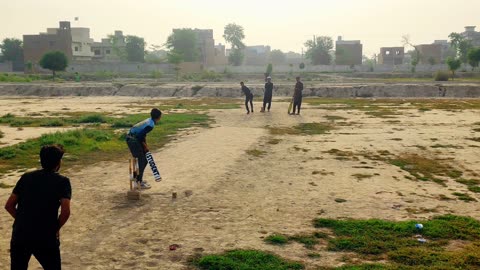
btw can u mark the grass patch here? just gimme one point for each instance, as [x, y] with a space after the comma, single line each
[277, 239]
[92, 119]
[274, 141]
[476, 139]
[446, 146]
[245, 260]
[2, 134]
[425, 169]
[464, 197]
[302, 129]
[472, 184]
[90, 145]
[189, 104]
[377, 237]
[334, 118]
[308, 241]
[256, 153]
[339, 200]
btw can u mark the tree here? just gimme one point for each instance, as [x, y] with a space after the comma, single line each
[461, 45]
[474, 57]
[175, 59]
[277, 57]
[184, 42]
[135, 49]
[416, 53]
[12, 49]
[301, 66]
[236, 57]
[118, 46]
[54, 61]
[453, 65]
[235, 35]
[318, 50]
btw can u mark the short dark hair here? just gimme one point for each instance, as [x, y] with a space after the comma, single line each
[241, 83]
[298, 78]
[155, 113]
[50, 156]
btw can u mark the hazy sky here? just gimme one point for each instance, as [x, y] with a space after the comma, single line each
[283, 25]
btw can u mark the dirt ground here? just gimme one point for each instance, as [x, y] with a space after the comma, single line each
[228, 199]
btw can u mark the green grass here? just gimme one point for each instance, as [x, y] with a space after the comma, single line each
[2, 134]
[464, 197]
[93, 144]
[375, 237]
[308, 241]
[274, 141]
[277, 239]
[303, 129]
[190, 104]
[472, 184]
[334, 118]
[245, 260]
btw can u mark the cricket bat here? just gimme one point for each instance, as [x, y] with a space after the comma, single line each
[153, 166]
[290, 106]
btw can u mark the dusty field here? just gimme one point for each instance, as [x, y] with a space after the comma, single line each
[229, 199]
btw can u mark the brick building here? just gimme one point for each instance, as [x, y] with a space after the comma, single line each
[348, 52]
[391, 56]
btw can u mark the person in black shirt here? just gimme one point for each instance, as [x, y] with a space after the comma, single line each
[297, 96]
[267, 97]
[34, 205]
[248, 97]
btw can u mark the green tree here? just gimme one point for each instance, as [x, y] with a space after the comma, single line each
[184, 42]
[474, 57]
[118, 47]
[269, 70]
[453, 65]
[461, 45]
[135, 49]
[277, 57]
[301, 66]
[12, 49]
[175, 59]
[236, 57]
[235, 35]
[54, 61]
[318, 50]
[415, 54]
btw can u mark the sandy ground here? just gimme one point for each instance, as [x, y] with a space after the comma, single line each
[229, 200]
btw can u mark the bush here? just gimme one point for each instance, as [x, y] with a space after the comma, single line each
[276, 239]
[92, 118]
[441, 76]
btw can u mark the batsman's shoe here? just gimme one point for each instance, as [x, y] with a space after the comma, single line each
[145, 185]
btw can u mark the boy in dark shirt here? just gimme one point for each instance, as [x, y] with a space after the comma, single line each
[34, 205]
[297, 96]
[267, 97]
[248, 97]
[136, 141]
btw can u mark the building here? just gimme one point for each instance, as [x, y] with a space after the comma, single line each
[430, 53]
[110, 49]
[294, 58]
[348, 52]
[257, 55]
[35, 46]
[472, 35]
[447, 50]
[206, 44]
[220, 55]
[391, 56]
[81, 43]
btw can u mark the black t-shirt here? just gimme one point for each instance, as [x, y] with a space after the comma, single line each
[246, 91]
[268, 89]
[39, 194]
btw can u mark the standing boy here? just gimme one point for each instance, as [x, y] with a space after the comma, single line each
[248, 97]
[297, 96]
[267, 97]
[137, 143]
[34, 205]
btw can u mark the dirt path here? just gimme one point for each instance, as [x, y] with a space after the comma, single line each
[230, 200]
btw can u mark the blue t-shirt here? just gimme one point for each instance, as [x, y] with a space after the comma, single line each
[140, 130]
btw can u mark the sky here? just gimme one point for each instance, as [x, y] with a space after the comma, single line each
[284, 25]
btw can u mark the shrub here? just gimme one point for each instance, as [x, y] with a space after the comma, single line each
[276, 239]
[92, 118]
[441, 76]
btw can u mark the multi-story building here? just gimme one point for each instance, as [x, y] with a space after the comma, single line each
[110, 49]
[35, 46]
[472, 35]
[220, 56]
[391, 56]
[348, 52]
[81, 42]
[447, 50]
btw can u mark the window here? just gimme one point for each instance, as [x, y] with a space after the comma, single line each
[107, 51]
[397, 52]
[76, 48]
[97, 52]
[387, 52]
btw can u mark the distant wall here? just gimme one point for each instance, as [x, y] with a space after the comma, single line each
[117, 67]
[6, 67]
[330, 68]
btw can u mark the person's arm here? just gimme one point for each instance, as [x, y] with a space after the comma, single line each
[11, 205]
[64, 212]
[143, 136]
